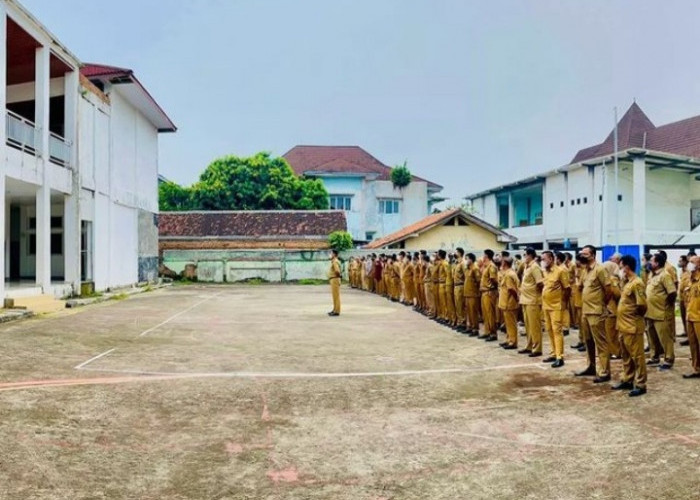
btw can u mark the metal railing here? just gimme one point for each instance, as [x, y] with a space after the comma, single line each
[59, 150]
[21, 133]
[24, 135]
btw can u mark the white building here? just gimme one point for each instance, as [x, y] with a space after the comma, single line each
[360, 185]
[655, 200]
[79, 169]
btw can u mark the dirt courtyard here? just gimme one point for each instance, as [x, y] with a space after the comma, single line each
[218, 392]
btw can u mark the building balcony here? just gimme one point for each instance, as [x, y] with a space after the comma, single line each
[23, 135]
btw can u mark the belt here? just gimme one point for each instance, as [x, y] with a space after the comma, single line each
[459, 284]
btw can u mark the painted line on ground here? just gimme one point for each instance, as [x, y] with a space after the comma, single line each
[168, 320]
[293, 375]
[94, 358]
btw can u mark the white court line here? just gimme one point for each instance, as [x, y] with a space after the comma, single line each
[313, 374]
[85, 363]
[146, 332]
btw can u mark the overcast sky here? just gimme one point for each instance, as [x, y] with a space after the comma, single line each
[471, 93]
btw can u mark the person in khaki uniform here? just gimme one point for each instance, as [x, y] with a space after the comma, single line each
[458, 280]
[472, 278]
[596, 292]
[560, 260]
[443, 269]
[508, 302]
[671, 308]
[531, 302]
[555, 292]
[407, 279]
[613, 270]
[334, 274]
[449, 293]
[436, 286]
[571, 267]
[630, 324]
[489, 296]
[683, 287]
[661, 293]
[428, 283]
[577, 301]
[693, 317]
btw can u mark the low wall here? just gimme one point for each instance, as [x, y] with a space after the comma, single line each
[231, 266]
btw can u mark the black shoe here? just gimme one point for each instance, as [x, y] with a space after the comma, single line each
[491, 338]
[691, 375]
[549, 359]
[525, 351]
[534, 355]
[684, 342]
[622, 385]
[600, 380]
[665, 367]
[682, 334]
[509, 347]
[558, 363]
[646, 349]
[566, 333]
[503, 344]
[482, 337]
[578, 346]
[653, 361]
[333, 314]
[582, 348]
[474, 333]
[638, 391]
[588, 372]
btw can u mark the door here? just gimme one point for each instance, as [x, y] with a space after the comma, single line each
[15, 247]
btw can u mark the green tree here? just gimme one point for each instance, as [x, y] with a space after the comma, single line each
[173, 197]
[340, 240]
[259, 182]
[401, 176]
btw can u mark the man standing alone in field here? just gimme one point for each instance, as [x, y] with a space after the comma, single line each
[334, 278]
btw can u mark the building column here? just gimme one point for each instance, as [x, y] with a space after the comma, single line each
[3, 140]
[639, 198]
[71, 207]
[511, 210]
[43, 194]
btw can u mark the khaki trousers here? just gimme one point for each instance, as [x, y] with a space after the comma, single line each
[553, 324]
[612, 335]
[459, 303]
[473, 313]
[429, 298]
[593, 330]
[450, 303]
[661, 339]
[694, 343]
[335, 293]
[488, 312]
[442, 301]
[510, 318]
[532, 314]
[634, 366]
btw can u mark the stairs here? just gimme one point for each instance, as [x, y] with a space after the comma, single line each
[38, 304]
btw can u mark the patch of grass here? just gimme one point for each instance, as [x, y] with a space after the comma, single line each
[253, 281]
[119, 296]
[92, 295]
[310, 281]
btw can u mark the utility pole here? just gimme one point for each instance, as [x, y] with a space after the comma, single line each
[617, 188]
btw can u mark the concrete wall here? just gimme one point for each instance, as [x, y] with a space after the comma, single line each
[147, 246]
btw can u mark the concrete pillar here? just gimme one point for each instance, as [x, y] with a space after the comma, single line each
[3, 139]
[43, 194]
[511, 210]
[71, 211]
[639, 198]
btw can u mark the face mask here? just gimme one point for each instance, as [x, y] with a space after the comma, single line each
[621, 274]
[543, 266]
[691, 267]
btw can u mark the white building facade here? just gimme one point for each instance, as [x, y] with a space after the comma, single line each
[652, 198]
[79, 169]
[360, 185]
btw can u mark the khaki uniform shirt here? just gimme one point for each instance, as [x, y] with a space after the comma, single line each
[684, 287]
[672, 271]
[489, 278]
[448, 274]
[442, 272]
[427, 272]
[576, 295]
[556, 281]
[510, 283]
[659, 287]
[629, 320]
[593, 284]
[334, 271]
[458, 273]
[436, 272]
[529, 292]
[472, 277]
[693, 310]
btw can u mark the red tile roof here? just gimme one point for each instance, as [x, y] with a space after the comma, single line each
[251, 224]
[95, 70]
[431, 221]
[340, 160]
[635, 130]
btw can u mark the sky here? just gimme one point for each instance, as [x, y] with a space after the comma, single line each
[471, 94]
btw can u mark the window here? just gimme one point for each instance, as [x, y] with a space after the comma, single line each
[561, 204]
[369, 236]
[56, 243]
[340, 202]
[32, 244]
[585, 200]
[600, 197]
[551, 206]
[578, 201]
[56, 222]
[388, 206]
[619, 197]
[572, 202]
[32, 223]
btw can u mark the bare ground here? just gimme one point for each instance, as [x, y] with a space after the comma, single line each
[253, 392]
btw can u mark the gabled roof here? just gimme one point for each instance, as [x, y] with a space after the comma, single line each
[251, 224]
[132, 90]
[433, 220]
[341, 160]
[635, 130]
